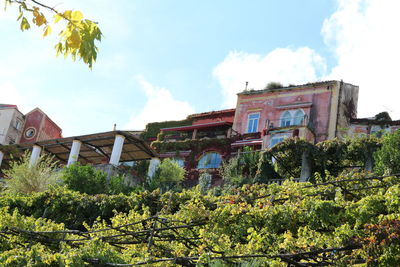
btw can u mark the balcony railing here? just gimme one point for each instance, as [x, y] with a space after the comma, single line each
[282, 123]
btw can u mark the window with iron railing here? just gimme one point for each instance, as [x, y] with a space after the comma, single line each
[292, 117]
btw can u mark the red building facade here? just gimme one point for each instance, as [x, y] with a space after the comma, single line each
[315, 112]
[38, 126]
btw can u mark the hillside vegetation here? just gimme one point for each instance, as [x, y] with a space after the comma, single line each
[345, 216]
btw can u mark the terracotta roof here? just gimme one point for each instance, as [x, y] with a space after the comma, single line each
[211, 113]
[8, 106]
[197, 126]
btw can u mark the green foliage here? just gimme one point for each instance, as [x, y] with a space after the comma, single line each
[273, 85]
[89, 180]
[168, 176]
[383, 116]
[117, 185]
[387, 158]
[265, 168]
[78, 36]
[25, 178]
[205, 180]
[85, 179]
[248, 168]
[332, 156]
[153, 128]
[260, 220]
[196, 145]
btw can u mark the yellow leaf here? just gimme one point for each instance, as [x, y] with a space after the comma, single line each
[57, 18]
[74, 40]
[36, 12]
[76, 16]
[24, 24]
[47, 31]
[67, 14]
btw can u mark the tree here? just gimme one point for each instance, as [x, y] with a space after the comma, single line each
[387, 158]
[25, 178]
[77, 38]
[168, 176]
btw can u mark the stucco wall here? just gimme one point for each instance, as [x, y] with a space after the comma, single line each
[8, 132]
[49, 130]
[314, 101]
[33, 120]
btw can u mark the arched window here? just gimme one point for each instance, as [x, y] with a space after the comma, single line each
[209, 160]
[286, 119]
[298, 118]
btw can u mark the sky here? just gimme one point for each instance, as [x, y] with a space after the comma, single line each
[165, 59]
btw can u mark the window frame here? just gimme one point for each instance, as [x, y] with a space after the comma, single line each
[277, 136]
[251, 120]
[288, 118]
[297, 117]
[284, 119]
[213, 164]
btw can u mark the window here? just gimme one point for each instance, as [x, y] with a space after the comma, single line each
[30, 133]
[209, 160]
[17, 125]
[276, 139]
[298, 117]
[252, 124]
[286, 119]
[292, 117]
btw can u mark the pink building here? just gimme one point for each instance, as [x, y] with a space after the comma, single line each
[315, 111]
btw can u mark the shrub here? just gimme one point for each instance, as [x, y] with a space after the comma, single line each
[85, 179]
[168, 176]
[25, 178]
[117, 185]
[242, 169]
[273, 85]
[387, 158]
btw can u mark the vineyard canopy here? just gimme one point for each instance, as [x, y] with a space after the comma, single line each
[95, 149]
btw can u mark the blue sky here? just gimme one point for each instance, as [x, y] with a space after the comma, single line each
[162, 60]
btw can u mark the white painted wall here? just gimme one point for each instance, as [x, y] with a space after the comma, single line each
[8, 116]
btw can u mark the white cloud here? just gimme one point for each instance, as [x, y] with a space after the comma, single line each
[364, 36]
[160, 106]
[283, 65]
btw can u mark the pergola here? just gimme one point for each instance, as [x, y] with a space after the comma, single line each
[99, 148]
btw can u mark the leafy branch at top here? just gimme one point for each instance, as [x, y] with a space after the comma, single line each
[78, 37]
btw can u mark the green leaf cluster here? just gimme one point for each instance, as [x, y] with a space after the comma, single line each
[268, 220]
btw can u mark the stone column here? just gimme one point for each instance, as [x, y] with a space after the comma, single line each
[229, 133]
[74, 153]
[117, 149]
[1, 157]
[305, 166]
[153, 167]
[194, 135]
[369, 160]
[36, 150]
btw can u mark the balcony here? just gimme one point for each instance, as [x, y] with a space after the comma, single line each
[295, 128]
[218, 130]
